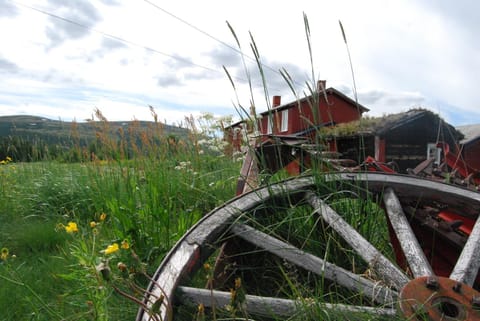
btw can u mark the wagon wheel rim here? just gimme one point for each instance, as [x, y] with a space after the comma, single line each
[392, 292]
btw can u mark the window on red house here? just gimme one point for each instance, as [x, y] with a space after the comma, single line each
[270, 124]
[284, 126]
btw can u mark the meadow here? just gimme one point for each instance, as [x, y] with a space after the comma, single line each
[70, 229]
[81, 235]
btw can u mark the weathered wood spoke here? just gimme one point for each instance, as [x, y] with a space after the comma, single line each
[468, 263]
[414, 254]
[267, 287]
[383, 267]
[271, 306]
[312, 263]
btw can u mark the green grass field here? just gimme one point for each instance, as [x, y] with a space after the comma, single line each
[80, 236]
[51, 272]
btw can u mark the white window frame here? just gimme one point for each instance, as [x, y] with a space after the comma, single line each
[269, 124]
[435, 152]
[284, 126]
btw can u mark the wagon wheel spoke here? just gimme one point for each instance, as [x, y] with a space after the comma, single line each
[295, 262]
[468, 263]
[389, 272]
[270, 306]
[312, 263]
[414, 254]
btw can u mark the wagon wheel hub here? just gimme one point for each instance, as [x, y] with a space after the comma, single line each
[439, 298]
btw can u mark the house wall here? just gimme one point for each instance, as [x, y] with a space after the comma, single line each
[471, 154]
[337, 110]
[301, 115]
[234, 136]
[379, 149]
[406, 144]
[355, 147]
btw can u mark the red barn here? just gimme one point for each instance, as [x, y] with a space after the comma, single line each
[325, 107]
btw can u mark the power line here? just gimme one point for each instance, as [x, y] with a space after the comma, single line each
[212, 37]
[132, 43]
[194, 27]
[117, 38]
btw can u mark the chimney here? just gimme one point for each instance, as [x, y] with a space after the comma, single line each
[321, 85]
[277, 100]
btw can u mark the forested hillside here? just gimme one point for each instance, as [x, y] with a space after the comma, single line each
[32, 138]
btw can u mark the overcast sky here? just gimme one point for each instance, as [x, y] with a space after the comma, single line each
[64, 58]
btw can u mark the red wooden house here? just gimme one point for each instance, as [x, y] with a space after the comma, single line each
[302, 117]
[284, 130]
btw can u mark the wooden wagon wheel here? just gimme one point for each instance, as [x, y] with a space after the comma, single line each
[339, 246]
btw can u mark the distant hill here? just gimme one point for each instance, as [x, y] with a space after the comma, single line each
[23, 135]
[58, 131]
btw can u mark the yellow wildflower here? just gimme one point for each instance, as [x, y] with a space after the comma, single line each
[200, 313]
[71, 227]
[125, 245]
[103, 216]
[93, 224]
[111, 249]
[4, 254]
[238, 283]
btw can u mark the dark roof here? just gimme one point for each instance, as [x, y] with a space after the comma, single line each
[331, 91]
[391, 122]
[471, 133]
[385, 124]
[236, 124]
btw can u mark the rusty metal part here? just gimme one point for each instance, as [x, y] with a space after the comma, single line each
[439, 298]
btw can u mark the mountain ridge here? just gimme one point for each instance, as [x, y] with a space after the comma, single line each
[31, 126]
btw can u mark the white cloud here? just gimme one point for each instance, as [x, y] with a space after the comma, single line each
[128, 55]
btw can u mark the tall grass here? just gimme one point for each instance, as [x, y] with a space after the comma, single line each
[294, 222]
[130, 199]
[149, 199]
[288, 217]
